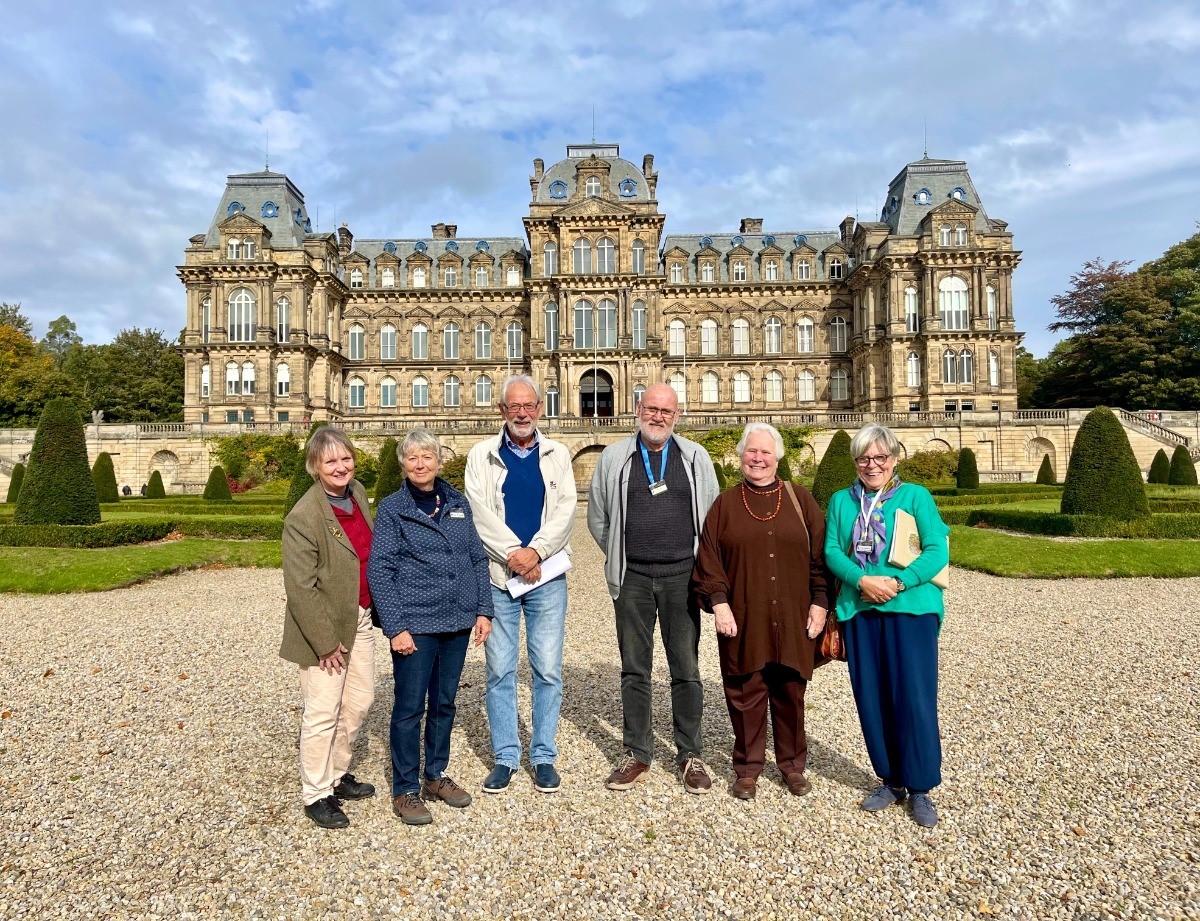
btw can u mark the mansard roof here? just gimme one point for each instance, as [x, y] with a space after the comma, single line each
[287, 222]
[903, 211]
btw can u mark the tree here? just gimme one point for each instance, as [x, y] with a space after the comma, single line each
[1029, 376]
[155, 488]
[391, 475]
[301, 483]
[1160, 468]
[61, 337]
[10, 315]
[28, 378]
[722, 480]
[836, 470]
[14, 483]
[217, 487]
[1083, 306]
[1103, 477]
[105, 479]
[785, 470]
[1045, 474]
[58, 487]
[967, 476]
[1183, 470]
[138, 377]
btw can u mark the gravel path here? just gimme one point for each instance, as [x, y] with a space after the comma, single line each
[148, 769]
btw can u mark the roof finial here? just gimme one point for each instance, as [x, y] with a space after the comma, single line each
[267, 151]
[925, 122]
[593, 124]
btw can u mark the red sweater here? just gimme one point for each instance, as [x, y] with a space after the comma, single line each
[359, 532]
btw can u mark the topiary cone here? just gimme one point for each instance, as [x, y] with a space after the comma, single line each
[1183, 470]
[58, 487]
[391, 473]
[1160, 469]
[1103, 477]
[836, 470]
[1045, 474]
[105, 479]
[301, 483]
[155, 488]
[217, 487]
[967, 475]
[14, 484]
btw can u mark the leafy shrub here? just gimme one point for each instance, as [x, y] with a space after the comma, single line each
[301, 483]
[259, 457]
[1153, 527]
[1103, 477]
[247, 527]
[1045, 474]
[155, 489]
[836, 470]
[454, 471]
[107, 534]
[14, 484]
[391, 473]
[1183, 471]
[217, 487]
[928, 467]
[967, 474]
[722, 480]
[105, 479]
[1174, 506]
[1160, 468]
[58, 487]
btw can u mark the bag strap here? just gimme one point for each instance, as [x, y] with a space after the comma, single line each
[787, 485]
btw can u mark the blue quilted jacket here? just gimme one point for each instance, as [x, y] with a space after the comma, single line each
[428, 576]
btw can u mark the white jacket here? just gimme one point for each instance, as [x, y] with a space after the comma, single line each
[484, 480]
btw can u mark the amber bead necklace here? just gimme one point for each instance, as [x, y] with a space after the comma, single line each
[778, 491]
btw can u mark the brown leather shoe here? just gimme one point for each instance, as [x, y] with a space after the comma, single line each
[410, 809]
[448, 792]
[798, 784]
[625, 775]
[744, 787]
[695, 777]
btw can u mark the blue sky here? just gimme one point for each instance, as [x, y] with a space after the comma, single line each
[1080, 122]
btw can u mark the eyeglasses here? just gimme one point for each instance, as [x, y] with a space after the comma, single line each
[657, 411]
[867, 460]
[528, 407]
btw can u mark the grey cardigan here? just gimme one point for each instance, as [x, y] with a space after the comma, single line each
[610, 487]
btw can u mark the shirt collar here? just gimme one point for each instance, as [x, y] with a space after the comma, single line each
[513, 446]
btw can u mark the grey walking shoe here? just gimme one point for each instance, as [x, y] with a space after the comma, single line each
[883, 797]
[922, 810]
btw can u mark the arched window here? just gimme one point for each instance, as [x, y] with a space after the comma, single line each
[944, 235]
[387, 342]
[585, 329]
[773, 387]
[516, 340]
[806, 387]
[283, 380]
[993, 369]
[991, 307]
[960, 234]
[949, 367]
[450, 340]
[553, 407]
[451, 392]
[270, 209]
[450, 274]
[233, 379]
[837, 334]
[741, 387]
[771, 270]
[483, 341]
[710, 387]
[839, 386]
[241, 315]
[952, 302]
[234, 208]
[677, 273]
[235, 249]
[248, 248]
[639, 324]
[420, 392]
[912, 316]
[638, 253]
[966, 367]
[283, 319]
[387, 277]
[772, 336]
[739, 270]
[914, 369]
[679, 384]
[481, 276]
[512, 276]
[677, 338]
[419, 276]
[483, 390]
[358, 343]
[387, 393]
[835, 268]
[551, 326]
[356, 278]
[205, 319]
[549, 260]
[581, 257]
[707, 271]
[606, 256]
[205, 381]
[592, 187]
[420, 341]
[358, 393]
[804, 336]
[606, 323]
[741, 337]
[803, 270]
[708, 337]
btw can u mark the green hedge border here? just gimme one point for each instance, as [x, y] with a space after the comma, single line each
[1156, 527]
[84, 537]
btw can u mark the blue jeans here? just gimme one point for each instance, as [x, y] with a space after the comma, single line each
[545, 610]
[431, 673]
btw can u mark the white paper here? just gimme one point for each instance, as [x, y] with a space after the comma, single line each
[552, 567]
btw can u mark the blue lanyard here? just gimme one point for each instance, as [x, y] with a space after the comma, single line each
[646, 461]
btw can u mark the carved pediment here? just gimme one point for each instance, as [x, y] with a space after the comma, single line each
[771, 250]
[835, 249]
[355, 313]
[809, 305]
[420, 313]
[676, 252]
[774, 306]
[952, 208]
[594, 207]
[481, 258]
[242, 222]
[708, 252]
[740, 251]
[356, 258]
[676, 309]
[386, 258]
[840, 304]
[804, 249]
[446, 259]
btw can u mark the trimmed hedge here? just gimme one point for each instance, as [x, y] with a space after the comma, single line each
[1160, 468]
[978, 500]
[1174, 506]
[1103, 477]
[14, 484]
[155, 488]
[836, 470]
[1025, 489]
[391, 472]
[169, 507]
[89, 537]
[1183, 471]
[247, 527]
[1045, 474]
[967, 475]
[217, 487]
[301, 483]
[105, 479]
[1059, 525]
[58, 487]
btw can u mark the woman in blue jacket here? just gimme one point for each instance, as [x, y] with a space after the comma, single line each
[429, 581]
[891, 617]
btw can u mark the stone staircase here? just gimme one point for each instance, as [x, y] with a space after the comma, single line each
[1160, 433]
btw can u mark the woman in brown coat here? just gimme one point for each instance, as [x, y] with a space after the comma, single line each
[761, 571]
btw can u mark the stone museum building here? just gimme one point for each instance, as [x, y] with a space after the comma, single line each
[909, 313]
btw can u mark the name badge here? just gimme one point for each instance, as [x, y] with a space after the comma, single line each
[457, 513]
[865, 545]
[657, 489]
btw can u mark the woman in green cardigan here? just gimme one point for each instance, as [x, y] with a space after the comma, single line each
[890, 617]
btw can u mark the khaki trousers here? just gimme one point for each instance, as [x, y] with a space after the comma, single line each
[335, 707]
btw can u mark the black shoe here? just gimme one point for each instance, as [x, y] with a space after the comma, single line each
[349, 788]
[327, 813]
[545, 778]
[499, 779]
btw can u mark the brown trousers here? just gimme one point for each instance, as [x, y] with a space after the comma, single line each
[748, 697]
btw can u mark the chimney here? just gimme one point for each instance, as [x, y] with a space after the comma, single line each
[647, 165]
[847, 227]
[345, 239]
[751, 225]
[439, 231]
[452, 231]
[539, 168]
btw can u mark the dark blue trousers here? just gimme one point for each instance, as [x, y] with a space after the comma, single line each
[426, 685]
[893, 672]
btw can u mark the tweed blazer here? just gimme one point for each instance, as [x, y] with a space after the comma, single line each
[320, 576]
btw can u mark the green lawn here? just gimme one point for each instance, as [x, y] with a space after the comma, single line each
[1043, 558]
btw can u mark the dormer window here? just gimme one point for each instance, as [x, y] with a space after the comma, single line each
[558, 189]
[235, 207]
[922, 197]
[944, 235]
[803, 270]
[389, 248]
[592, 187]
[388, 279]
[707, 271]
[482, 247]
[513, 276]
[628, 188]
[481, 276]
[960, 235]
[356, 278]
[677, 273]
[835, 268]
[739, 270]
[771, 270]
[959, 195]
[269, 209]
[451, 276]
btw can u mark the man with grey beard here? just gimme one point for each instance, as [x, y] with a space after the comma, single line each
[649, 497]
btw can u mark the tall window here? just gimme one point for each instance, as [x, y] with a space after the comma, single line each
[387, 342]
[451, 392]
[549, 260]
[358, 392]
[387, 277]
[233, 379]
[677, 273]
[677, 338]
[708, 337]
[419, 276]
[483, 341]
[771, 270]
[960, 234]
[806, 387]
[512, 276]
[205, 381]
[606, 258]
[205, 319]
[773, 387]
[420, 392]
[584, 327]
[248, 377]
[914, 369]
[606, 320]
[709, 388]
[952, 302]
[679, 384]
[283, 319]
[283, 380]
[803, 270]
[966, 367]
[358, 343]
[804, 336]
[592, 187]
[739, 270]
[839, 388]
[639, 324]
[707, 271]
[581, 257]
[551, 326]
[516, 340]
[483, 390]
[450, 340]
[993, 369]
[481, 276]
[991, 307]
[949, 367]
[912, 319]
[387, 393]
[553, 406]
[420, 341]
[837, 334]
[356, 278]
[741, 387]
[773, 336]
[451, 276]
[835, 268]
[241, 316]
[944, 235]
[638, 254]
[637, 395]
[741, 337]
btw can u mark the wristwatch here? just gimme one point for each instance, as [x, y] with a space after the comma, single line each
[900, 586]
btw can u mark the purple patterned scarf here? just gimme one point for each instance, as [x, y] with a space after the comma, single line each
[857, 492]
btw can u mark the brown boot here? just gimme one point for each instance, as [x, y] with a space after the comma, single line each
[410, 809]
[744, 787]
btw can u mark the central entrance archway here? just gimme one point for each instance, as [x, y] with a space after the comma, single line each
[596, 394]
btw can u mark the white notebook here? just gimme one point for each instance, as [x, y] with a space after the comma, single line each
[552, 567]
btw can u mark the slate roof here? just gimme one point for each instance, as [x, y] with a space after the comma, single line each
[254, 190]
[619, 171]
[755, 242]
[903, 213]
[372, 249]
